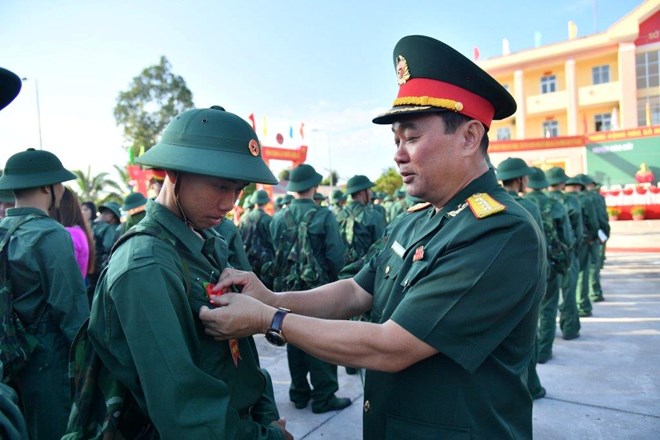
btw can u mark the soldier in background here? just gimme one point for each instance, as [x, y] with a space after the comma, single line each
[559, 239]
[597, 249]
[133, 208]
[256, 237]
[569, 320]
[337, 201]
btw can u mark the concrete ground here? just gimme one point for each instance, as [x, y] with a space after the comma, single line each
[603, 385]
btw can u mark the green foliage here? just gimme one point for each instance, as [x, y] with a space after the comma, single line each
[98, 188]
[284, 175]
[330, 180]
[389, 181]
[152, 100]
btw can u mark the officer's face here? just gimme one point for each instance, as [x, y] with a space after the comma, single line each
[206, 200]
[432, 163]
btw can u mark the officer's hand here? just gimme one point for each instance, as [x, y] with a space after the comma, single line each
[246, 282]
[237, 316]
[282, 424]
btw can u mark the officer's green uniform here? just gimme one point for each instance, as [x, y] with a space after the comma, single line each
[511, 169]
[144, 323]
[328, 249]
[454, 298]
[49, 295]
[569, 320]
[237, 258]
[550, 302]
[466, 279]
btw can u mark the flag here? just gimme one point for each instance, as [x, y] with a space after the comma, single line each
[265, 127]
[254, 125]
[302, 130]
[572, 30]
[506, 50]
[537, 39]
[475, 53]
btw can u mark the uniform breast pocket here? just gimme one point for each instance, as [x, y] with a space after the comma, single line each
[416, 271]
[389, 265]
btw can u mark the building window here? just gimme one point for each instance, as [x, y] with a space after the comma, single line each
[648, 69]
[550, 129]
[600, 74]
[504, 134]
[648, 111]
[603, 122]
[548, 84]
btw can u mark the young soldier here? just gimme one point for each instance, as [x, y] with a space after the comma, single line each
[256, 237]
[133, 208]
[144, 322]
[454, 294]
[49, 291]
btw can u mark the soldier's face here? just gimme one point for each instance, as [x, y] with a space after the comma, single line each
[206, 200]
[430, 161]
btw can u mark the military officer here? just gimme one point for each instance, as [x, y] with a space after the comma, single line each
[144, 322]
[441, 361]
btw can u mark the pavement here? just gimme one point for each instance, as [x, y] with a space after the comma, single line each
[603, 385]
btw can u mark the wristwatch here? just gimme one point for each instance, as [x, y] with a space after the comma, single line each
[274, 334]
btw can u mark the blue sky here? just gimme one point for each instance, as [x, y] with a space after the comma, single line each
[326, 64]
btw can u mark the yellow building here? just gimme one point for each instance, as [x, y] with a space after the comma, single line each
[585, 90]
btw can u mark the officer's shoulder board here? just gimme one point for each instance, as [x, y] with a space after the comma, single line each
[483, 205]
[418, 207]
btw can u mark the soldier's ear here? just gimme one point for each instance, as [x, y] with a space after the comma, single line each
[473, 131]
[172, 175]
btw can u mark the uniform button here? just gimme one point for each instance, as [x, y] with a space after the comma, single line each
[367, 406]
[387, 270]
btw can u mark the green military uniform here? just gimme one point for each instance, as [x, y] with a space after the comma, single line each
[597, 249]
[475, 378]
[569, 320]
[337, 201]
[590, 234]
[257, 240]
[145, 324]
[329, 251]
[49, 294]
[511, 172]
[399, 205]
[136, 333]
[237, 257]
[134, 208]
[560, 223]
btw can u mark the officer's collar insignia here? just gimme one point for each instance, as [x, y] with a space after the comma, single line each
[483, 205]
[456, 211]
[402, 71]
[253, 146]
[418, 207]
[419, 254]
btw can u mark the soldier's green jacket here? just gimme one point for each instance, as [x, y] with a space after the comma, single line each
[323, 231]
[369, 226]
[50, 297]
[145, 327]
[472, 293]
[236, 258]
[531, 207]
[574, 208]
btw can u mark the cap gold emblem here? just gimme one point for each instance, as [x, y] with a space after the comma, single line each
[253, 146]
[402, 71]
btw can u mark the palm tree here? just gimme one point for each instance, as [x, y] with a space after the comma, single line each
[98, 188]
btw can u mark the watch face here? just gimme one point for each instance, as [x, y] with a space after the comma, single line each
[275, 338]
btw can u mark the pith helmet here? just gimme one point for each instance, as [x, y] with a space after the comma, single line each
[112, 207]
[32, 169]
[302, 178]
[556, 175]
[434, 77]
[337, 196]
[512, 168]
[134, 200]
[211, 142]
[575, 180]
[537, 179]
[261, 197]
[10, 85]
[358, 183]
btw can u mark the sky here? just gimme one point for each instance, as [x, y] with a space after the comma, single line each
[325, 65]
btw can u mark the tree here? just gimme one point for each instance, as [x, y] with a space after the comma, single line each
[98, 188]
[152, 100]
[331, 180]
[389, 181]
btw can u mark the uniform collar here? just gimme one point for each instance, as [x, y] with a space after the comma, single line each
[482, 184]
[26, 210]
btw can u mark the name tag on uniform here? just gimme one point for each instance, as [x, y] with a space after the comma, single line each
[398, 249]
